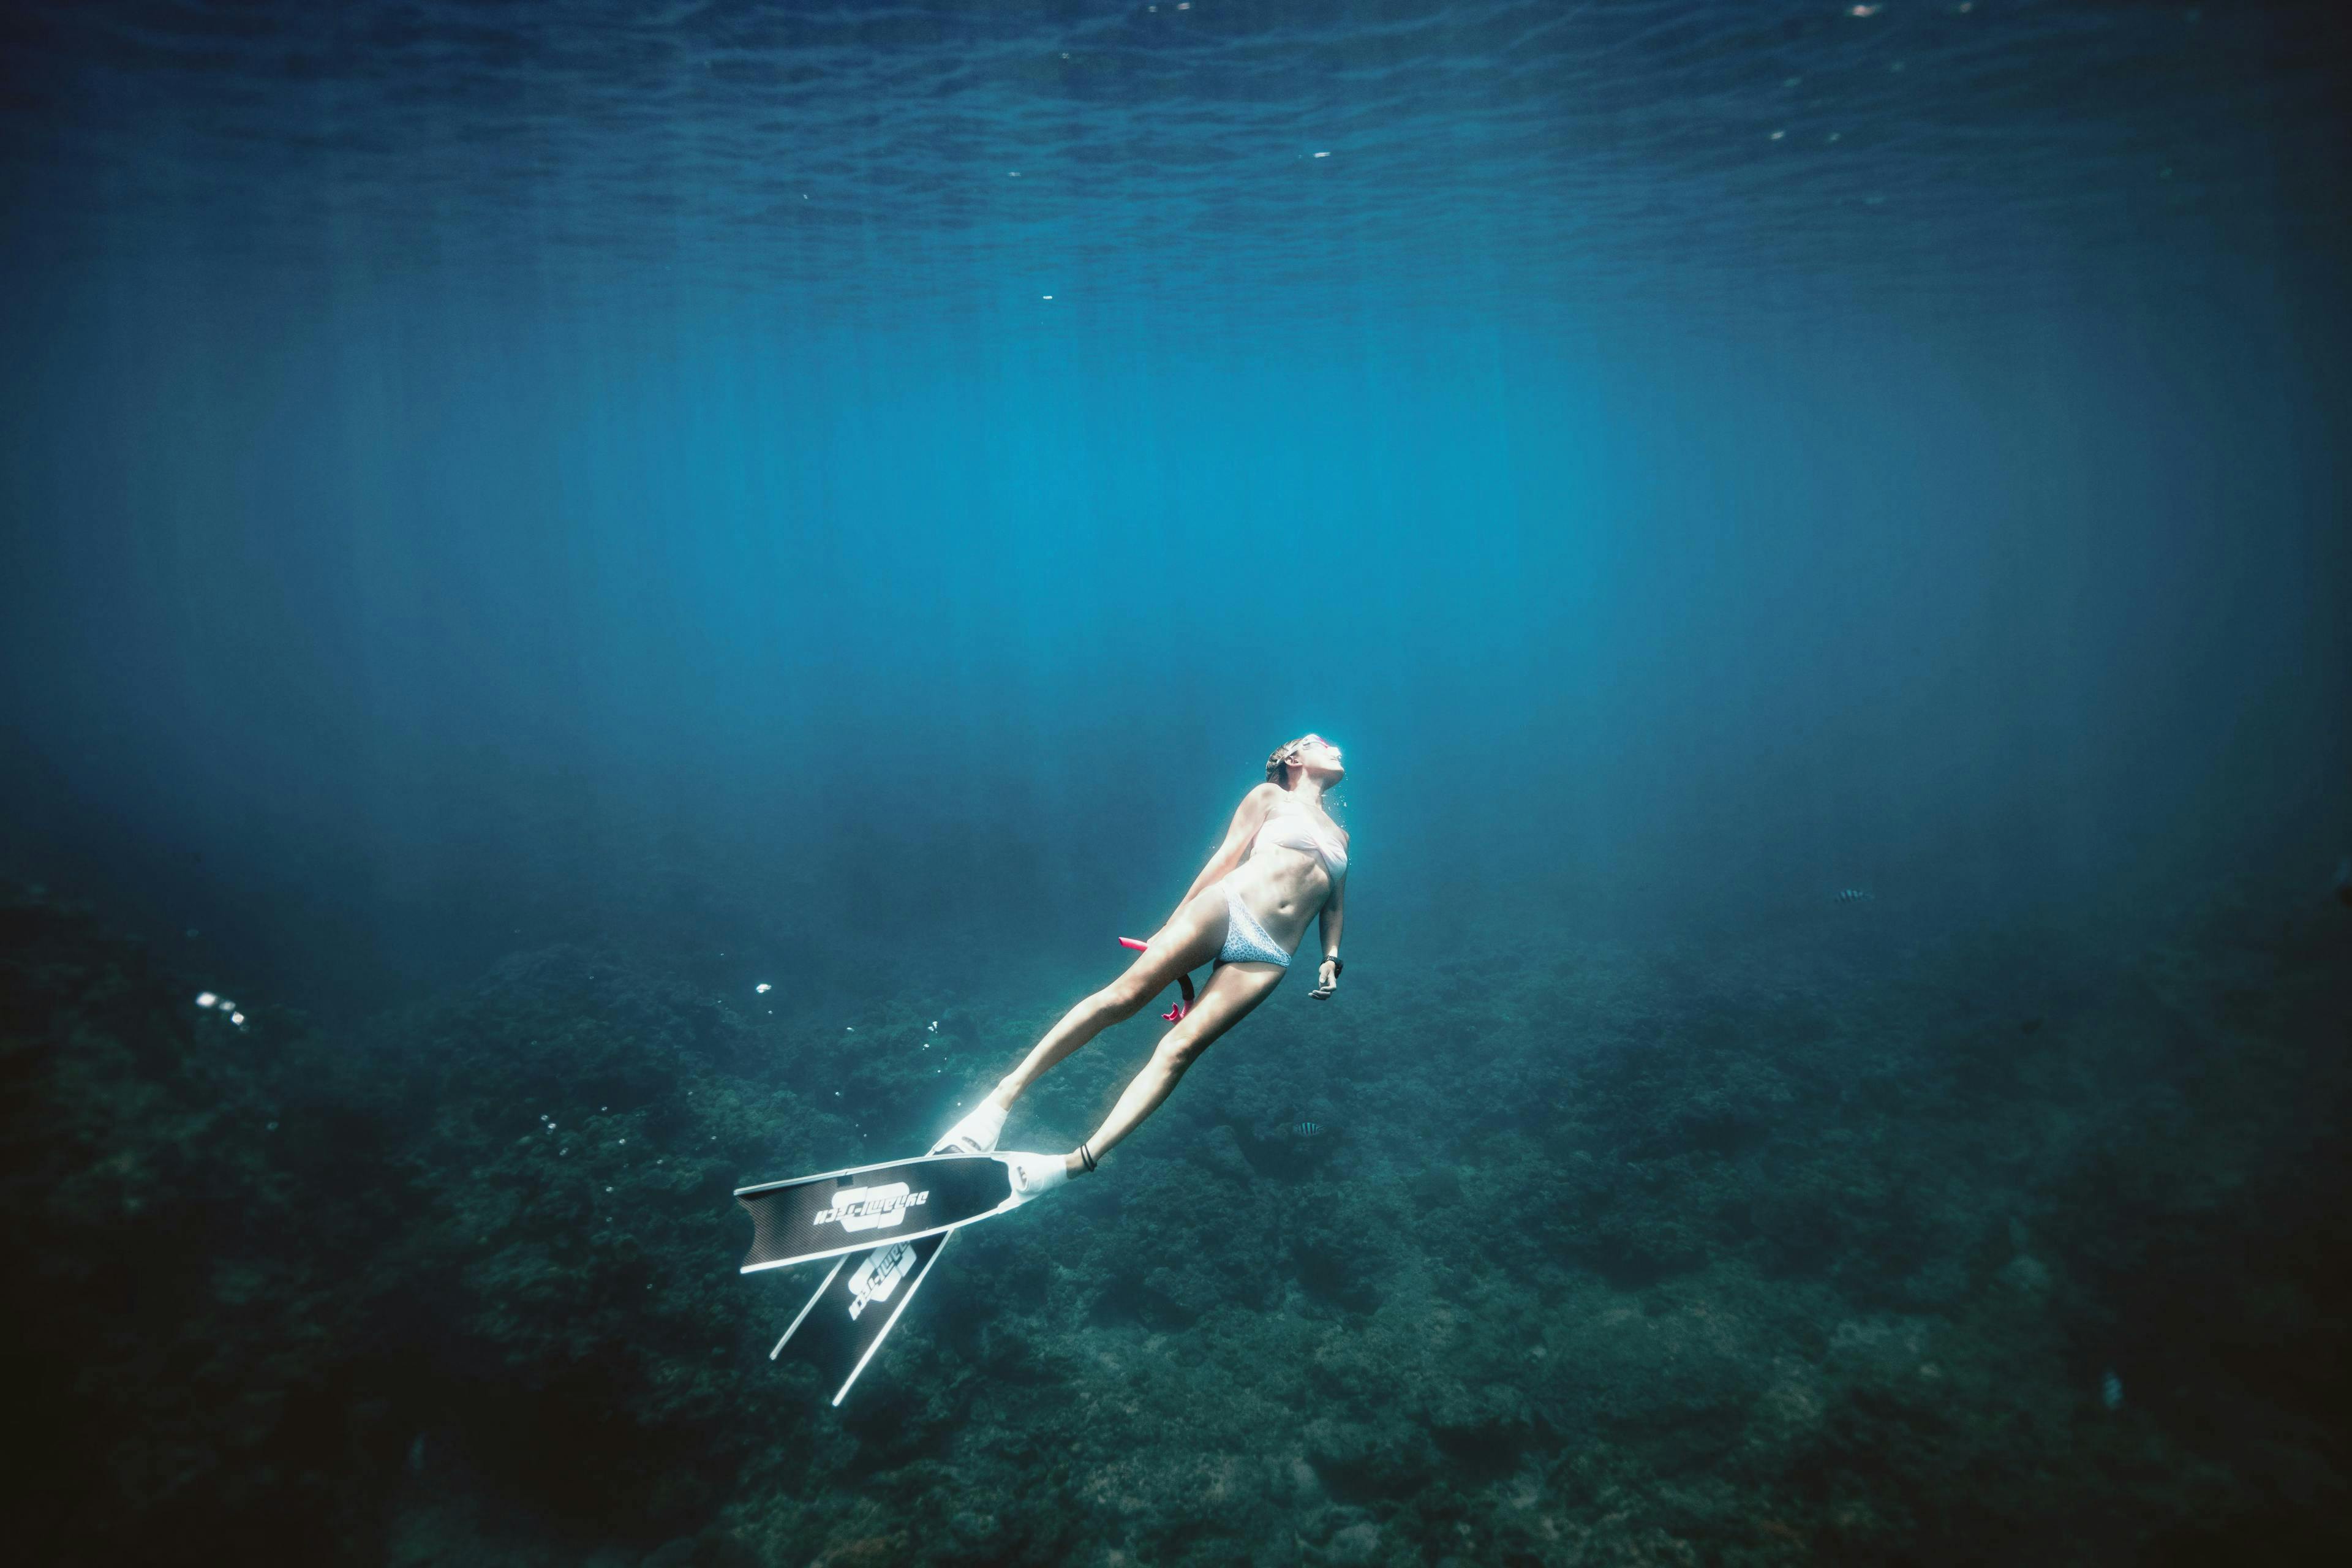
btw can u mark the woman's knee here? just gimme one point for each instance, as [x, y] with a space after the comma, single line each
[1180, 1049]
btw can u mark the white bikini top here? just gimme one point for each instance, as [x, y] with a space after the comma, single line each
[1296, 830]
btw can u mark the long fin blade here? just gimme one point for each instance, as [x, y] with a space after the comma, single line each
[845, 1321]
[831, 1274]
[896, 1312]
[843, 1212]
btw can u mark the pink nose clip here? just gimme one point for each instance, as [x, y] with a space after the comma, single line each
[1183, 983]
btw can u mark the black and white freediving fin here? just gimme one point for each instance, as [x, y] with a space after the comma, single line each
[854, 1310]
[868, 1205]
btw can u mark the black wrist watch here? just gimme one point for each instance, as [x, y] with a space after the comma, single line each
[1337, 968]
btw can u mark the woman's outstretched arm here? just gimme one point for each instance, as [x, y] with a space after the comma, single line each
[1248, 818]
[1334, 917]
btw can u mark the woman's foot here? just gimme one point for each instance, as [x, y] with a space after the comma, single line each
[976, 1133]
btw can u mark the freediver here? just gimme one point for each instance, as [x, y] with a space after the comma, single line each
[1284, 861]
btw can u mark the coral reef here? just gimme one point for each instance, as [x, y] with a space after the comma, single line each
[1880, 1244]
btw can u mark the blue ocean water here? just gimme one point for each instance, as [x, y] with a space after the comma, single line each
[525, 522]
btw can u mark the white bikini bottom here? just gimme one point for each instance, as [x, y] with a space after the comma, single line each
[1246, 940]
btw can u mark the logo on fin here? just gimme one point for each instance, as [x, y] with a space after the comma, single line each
[878, 1276]
[871, 1208]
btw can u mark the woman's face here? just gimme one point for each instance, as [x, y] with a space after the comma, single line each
[1319, 756]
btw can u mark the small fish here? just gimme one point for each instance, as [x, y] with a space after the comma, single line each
[2111, 1390]
[206, 999]
[1852, 896]
[761, 989]
[1307, 1130]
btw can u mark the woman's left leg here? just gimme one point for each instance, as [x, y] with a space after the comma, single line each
[1233, 990]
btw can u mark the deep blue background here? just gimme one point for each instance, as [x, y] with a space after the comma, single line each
[456, 497]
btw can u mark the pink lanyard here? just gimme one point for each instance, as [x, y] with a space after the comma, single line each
[1184, 982]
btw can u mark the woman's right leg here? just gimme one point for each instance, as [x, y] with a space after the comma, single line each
[1190, 939]
[1228, 998]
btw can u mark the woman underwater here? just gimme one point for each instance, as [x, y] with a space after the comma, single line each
[1283, 862]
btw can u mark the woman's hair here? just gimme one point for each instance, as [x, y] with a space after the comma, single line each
[1275, 771]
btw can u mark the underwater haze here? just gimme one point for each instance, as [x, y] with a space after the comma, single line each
[676, 573]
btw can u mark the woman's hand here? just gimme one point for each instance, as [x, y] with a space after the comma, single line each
[1327, 980]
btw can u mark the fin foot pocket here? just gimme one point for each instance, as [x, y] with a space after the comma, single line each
[976, 1133]
[1035, 1175]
